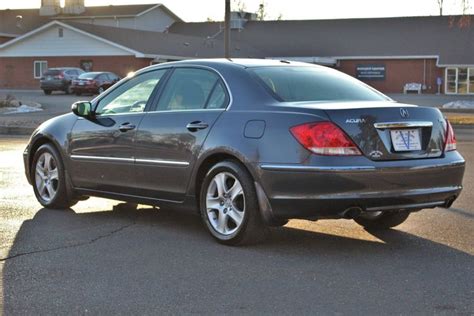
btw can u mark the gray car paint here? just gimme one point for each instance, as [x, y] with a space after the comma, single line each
[291, 182]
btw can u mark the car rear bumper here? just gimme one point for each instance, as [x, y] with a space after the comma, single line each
[84, 89]
[53, 85]
[297, 191]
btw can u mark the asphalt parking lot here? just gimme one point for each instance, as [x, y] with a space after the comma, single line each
[97, 260]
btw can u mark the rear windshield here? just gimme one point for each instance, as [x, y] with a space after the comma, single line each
[88, 75]
[299, 84]
[52, 72]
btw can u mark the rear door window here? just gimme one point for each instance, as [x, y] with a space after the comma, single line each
[52, 72]
[189, 89]
[218, 98]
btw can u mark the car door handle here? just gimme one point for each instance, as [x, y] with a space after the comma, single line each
[126, 127]
[196, 125]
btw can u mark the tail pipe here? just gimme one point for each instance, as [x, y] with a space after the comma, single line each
[351, 212]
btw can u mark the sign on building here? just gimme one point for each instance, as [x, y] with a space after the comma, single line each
[370, 72]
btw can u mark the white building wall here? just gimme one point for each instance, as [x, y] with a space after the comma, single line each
[49, 43]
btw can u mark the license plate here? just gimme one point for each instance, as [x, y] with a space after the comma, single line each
[49, 78]
[406, 139]
[81, 83]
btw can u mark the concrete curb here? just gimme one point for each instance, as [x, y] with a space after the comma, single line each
[16, 130]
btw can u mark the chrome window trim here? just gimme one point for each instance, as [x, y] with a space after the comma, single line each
[186, 110]
[132, 160]
[385, 125]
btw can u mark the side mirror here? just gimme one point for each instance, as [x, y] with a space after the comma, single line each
[82, 109]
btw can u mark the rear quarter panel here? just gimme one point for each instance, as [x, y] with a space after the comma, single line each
[276, 144]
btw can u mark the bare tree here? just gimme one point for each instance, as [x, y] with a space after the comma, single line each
[240, 5]
[261, 12]
[464, 21]
[440, 4]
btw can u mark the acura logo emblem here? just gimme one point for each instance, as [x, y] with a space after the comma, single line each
[404, 113]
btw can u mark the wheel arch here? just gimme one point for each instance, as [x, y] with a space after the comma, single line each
[207, 161]
[38, 141]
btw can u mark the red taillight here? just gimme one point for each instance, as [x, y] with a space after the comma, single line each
[325, 138]
[450, 138]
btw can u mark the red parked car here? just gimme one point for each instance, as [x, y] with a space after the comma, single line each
[93, 82]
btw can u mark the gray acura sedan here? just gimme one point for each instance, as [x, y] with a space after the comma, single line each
[249, 144]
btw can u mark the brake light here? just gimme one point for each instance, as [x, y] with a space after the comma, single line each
[325, 138]
[450, 138]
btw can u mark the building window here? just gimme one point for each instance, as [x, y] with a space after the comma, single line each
[39, 68]
[60, 32]
[459, 80]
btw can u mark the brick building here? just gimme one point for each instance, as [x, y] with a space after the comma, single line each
[386, 53]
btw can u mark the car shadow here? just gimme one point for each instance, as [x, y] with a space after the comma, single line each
[151, 261]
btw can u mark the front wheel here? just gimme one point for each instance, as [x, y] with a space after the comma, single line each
[229, 206]
[47, 92]
[382, 220]
[49, 181]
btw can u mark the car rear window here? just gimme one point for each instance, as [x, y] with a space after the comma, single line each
[88, 76]
[52, 72]
[300, 84]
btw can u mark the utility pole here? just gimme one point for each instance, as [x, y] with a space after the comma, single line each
[227, 30]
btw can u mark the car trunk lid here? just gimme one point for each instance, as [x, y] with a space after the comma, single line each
[389, 130]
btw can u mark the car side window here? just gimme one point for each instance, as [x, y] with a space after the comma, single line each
[187, 89]
[132, 96]
[218, 98]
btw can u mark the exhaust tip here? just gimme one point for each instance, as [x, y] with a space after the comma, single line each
[351, 212]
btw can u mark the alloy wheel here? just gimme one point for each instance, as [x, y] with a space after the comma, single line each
[46, 177]
[225, 203]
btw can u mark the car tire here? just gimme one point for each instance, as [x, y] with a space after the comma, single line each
[49, 179]
[231, 215]
[78, 94]
[383, 220]
[47, 92]
[68, 90]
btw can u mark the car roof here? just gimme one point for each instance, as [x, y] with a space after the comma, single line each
[239, 62]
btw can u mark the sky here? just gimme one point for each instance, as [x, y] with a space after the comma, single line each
[200, 10]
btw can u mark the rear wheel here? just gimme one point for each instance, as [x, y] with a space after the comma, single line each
[47, 92]
[382, 220]
[229, 206]
[49, 181]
